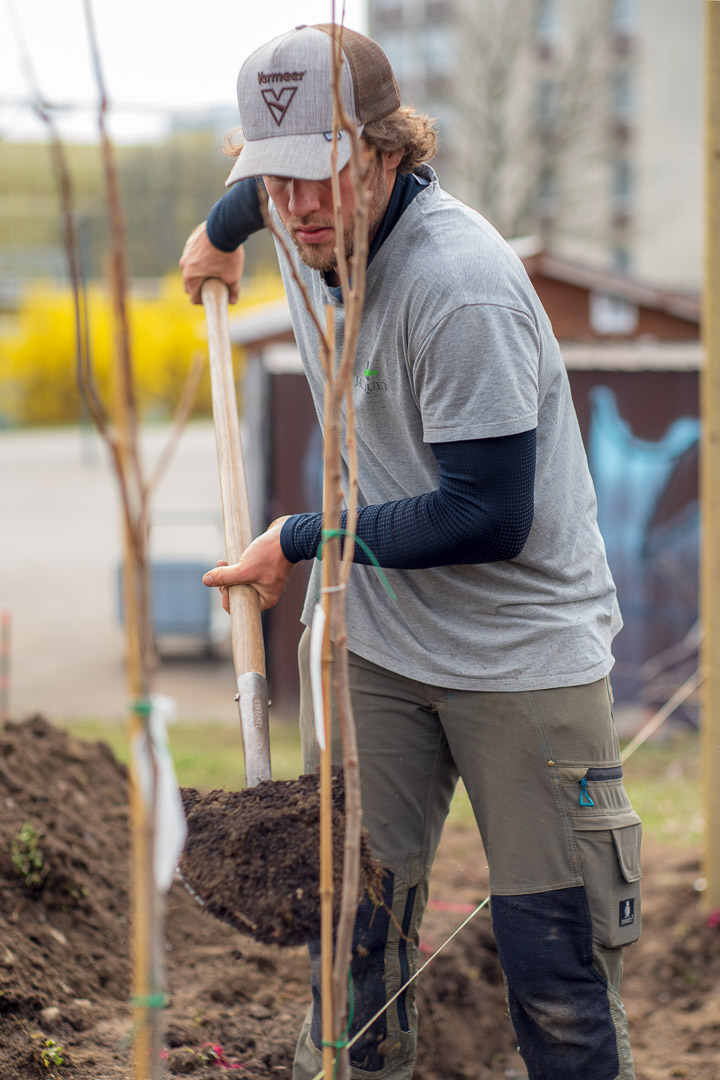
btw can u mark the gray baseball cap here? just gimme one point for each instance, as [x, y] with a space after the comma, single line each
[286, 105]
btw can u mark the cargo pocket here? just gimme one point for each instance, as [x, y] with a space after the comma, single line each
[608, 835]
[610, 864]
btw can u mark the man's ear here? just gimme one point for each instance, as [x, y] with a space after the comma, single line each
[392, 158]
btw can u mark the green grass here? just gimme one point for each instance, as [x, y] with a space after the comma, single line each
[207, 755]
[663, 782]
[210, 755]
[662, 779]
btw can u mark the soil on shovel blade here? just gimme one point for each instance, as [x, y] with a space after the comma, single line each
[252, 857]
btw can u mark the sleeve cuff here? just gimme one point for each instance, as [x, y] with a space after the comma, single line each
[287, 539]
[216, 237]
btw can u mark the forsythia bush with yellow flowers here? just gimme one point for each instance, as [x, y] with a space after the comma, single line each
[38, 382]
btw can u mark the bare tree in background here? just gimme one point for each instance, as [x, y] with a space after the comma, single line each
[533, 112]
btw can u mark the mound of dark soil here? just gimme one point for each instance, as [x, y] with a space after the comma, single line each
[253, 858]
[235, 1003]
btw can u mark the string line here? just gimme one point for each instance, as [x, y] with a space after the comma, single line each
[328, 534]
[157, 1000]
[681, 694]
[388, 1003]
[351, 1015]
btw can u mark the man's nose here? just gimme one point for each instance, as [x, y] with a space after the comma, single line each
[304, 197]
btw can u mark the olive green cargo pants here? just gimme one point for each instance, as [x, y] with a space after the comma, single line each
[543, 773]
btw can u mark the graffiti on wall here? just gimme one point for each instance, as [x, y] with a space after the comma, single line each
[652, 540]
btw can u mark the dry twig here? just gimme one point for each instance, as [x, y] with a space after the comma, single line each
[353, 284]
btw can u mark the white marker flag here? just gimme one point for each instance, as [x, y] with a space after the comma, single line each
[161, 782]
[317, 632]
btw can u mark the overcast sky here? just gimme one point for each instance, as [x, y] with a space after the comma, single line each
[157, 55]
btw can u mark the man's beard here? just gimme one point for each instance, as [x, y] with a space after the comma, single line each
[322, 256]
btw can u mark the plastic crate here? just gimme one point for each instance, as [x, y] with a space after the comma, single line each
[181, 604]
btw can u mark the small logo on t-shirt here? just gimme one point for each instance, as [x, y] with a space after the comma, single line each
[369, 381]
[627, 912]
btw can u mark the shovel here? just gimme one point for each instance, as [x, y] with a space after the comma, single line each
[245, 625]
[251, 857]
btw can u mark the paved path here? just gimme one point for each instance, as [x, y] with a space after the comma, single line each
[60, 544]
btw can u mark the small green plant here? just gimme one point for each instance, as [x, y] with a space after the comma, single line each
[27, 858]
[52, 1053]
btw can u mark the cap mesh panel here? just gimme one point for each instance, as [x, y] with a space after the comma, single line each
[376, 90]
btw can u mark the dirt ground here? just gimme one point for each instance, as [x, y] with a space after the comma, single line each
[236, 1005]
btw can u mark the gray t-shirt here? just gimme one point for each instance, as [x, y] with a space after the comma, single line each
[461, 348]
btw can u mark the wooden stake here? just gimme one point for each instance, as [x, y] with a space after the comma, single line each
[331, 515]
[147, 906]
[326, 858]
[146, 902]
[710, 465]
[147, 910]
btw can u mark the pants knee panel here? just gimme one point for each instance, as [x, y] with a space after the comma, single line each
[384, 955]
[558, 1001]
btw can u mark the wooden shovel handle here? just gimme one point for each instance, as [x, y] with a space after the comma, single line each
[245, 624]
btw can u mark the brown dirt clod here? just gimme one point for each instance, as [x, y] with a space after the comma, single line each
[252, 857]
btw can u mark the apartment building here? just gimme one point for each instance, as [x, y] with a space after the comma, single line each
[579, 121]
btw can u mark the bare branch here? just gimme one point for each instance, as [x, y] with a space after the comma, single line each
[353, 286]
[341, 263]
[118, 274]
[83, 366]
[352, 484]
[282, 244]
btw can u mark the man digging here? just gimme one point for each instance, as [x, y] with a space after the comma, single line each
[475, 496]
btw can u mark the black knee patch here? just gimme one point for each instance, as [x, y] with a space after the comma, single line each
[558, 1001]
[368, 980]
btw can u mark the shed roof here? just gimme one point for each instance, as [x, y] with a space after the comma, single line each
[683, 305]
[263, 325]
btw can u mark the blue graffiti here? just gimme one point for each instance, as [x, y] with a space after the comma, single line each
[631, 476]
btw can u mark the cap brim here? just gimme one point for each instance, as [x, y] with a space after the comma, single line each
[303, 157]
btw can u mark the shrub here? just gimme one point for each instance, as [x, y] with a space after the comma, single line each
[38, 355]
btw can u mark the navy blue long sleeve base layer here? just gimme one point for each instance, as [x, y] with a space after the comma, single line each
[481, 511]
